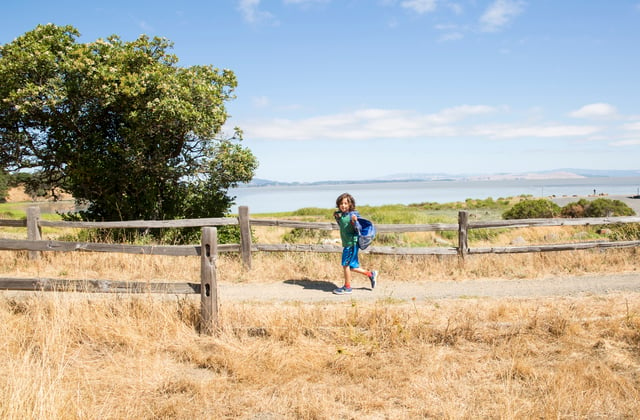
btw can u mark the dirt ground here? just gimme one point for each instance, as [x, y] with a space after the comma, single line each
[321, 291]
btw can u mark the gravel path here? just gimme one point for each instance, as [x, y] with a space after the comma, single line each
[321, 291]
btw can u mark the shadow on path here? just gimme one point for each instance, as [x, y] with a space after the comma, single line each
[321, 285]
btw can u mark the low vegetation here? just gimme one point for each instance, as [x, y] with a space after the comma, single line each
[80, 356]
[545, 209]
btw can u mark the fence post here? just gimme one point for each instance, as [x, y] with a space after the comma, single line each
[208, 280]
[245, 236]
[463, 225]
[33, 229]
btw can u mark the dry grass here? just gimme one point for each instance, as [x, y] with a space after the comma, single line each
[81, 356]
[276, 267]
[78, 356]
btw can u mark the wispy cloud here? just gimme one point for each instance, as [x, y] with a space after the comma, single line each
[305, 2]
[260, 101]
[622, 143]
[597, 110]
[420, 6]
[632, 126]
[145, 26]
[451, 36]
[455, 8]
[251, 12]
[451, 32]
[499, 14]
[370, 124]
[515, 131]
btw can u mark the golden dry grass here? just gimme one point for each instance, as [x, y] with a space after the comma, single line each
[82, 356]
[277, 267]
[79, 357]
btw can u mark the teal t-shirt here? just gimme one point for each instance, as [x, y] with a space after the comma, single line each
[348, 233]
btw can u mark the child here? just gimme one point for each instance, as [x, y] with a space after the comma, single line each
[346, 216]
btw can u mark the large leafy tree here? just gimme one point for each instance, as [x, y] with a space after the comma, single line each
[120, 125]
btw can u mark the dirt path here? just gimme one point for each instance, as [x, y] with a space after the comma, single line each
[321, 291]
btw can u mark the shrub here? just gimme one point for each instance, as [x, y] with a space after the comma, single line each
[600, 207]
[533, 209]
[625, 232]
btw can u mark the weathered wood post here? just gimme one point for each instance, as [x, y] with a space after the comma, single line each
[245, 236]
[208, 280]
[463, 226]
[33, 229]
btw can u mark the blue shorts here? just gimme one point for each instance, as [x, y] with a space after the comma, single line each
[350, 256]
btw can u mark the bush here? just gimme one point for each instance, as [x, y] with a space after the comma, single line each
[533, 209]
[625, 232]
[600, 207]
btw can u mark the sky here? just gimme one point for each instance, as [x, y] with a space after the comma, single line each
[362, 89]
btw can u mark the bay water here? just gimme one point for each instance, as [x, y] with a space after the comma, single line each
[282, 198]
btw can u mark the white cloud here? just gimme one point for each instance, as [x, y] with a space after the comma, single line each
[534, 131]
[632, 126]
[622, 143]
[451, 36]
[251, 13]
[499, 14]
[145, 26]
[260, 101]
[420, 6]
[451, 32]
[597, 110]
[367, 124]
[304, 1]
[370, 124]
[458, 113]
[455, 8]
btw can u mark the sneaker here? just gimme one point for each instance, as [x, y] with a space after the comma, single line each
[374, 279]
[342, 290]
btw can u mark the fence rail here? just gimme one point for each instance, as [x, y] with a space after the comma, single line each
[209, 248]
[34, 243]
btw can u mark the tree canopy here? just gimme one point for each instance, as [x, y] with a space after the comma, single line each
[119, 125]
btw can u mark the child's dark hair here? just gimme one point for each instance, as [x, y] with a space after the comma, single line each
[350, 200]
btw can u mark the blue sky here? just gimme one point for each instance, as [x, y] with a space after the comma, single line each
[358, 89]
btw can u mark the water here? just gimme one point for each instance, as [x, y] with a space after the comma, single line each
[281, 198]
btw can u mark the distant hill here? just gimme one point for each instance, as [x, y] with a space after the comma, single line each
[565, 173]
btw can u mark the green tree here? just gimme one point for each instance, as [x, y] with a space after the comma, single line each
[119, 125]
[533, 209]
[4, 185]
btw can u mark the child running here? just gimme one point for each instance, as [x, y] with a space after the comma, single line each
[346, 216]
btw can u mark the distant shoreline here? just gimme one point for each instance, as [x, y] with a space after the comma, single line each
[557, 174]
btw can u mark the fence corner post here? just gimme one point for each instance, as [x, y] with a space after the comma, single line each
[245, 236]
[463, 226]
[33, 229]
[208, 280]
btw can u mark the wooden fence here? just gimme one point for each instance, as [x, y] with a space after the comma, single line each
[209, 248]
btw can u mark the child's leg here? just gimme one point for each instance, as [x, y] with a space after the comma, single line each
[349, 256]
[372, 275]
[347, 276]
[362, 271]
